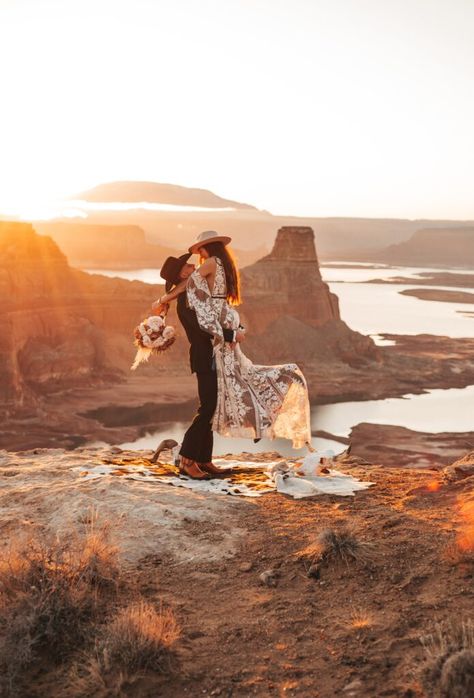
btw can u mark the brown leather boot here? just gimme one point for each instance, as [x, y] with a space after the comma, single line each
[191, 469]
[211, 468]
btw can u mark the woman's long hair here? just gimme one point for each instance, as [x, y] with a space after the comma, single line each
[232, 277]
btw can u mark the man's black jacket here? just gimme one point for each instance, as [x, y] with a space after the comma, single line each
[200, 351]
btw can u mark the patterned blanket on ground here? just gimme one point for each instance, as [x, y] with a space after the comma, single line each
[242, 478]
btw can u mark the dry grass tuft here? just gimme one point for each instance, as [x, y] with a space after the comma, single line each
[98, 558]
[449, 668]
[457, 675]
[87, 679]
[336, 546]
[361, 618]
[49, 595]
[139, 637]
[448, 637]
[344, 545]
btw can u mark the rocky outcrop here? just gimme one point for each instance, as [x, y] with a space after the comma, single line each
[61, 327]
[462, 468]
[398, 447]
[288, 282]
[290, 310]
[439, 295]
[438, 246]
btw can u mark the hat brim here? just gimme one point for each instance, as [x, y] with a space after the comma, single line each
[219, 238]
[182, 259]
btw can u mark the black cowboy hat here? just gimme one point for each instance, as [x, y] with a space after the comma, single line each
[171, 268]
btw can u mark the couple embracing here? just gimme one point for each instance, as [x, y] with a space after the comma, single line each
[237, 397]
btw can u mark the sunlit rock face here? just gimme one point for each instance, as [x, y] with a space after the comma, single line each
[288, 282]
[60, 327]
[63, 328]
[290, 311]
[32, 272]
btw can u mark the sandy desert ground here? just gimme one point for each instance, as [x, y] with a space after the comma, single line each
[263, 608]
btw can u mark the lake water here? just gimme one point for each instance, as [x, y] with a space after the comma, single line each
[377, 308]
[371, 309]
[435, 411]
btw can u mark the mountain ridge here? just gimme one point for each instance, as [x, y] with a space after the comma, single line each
[157, 192]
[435, 245]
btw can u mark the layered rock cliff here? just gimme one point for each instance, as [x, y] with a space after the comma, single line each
[290, 311]
[288, 282]
[65, 328]
[60, 327]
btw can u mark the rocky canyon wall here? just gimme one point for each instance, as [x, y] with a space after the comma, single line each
[60, 327]
[65, 329]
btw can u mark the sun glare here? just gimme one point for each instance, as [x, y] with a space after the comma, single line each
[309, 109]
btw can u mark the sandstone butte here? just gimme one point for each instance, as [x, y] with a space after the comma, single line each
[66, 344]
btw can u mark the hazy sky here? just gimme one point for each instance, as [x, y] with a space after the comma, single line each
[306, 107]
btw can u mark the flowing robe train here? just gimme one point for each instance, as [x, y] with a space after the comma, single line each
[253, 401]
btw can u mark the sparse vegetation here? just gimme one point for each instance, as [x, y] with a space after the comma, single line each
[139, 637]
[344, 545]
[449, 668]
[456, 554]
[360, 618]
[335, 546]
[55, 596]
[49, 593]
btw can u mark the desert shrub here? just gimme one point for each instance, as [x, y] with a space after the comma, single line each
[96, 558]
[342, 545]
[449, 668]
[335, 546]
[361, 618]
[139, 637]
[49, 595]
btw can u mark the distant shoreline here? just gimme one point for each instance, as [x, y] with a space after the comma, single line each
[428, 294]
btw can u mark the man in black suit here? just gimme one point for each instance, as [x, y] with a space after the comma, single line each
[196, 448]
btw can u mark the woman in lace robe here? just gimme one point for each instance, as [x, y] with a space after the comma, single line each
[253, 401]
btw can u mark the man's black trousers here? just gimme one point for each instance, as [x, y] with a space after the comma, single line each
[198, 440]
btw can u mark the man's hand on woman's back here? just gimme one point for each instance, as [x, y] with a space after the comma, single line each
[239, 337]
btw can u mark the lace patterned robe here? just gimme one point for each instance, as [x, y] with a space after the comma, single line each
[253, 401]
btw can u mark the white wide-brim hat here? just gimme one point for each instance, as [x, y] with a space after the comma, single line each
[206, 237]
